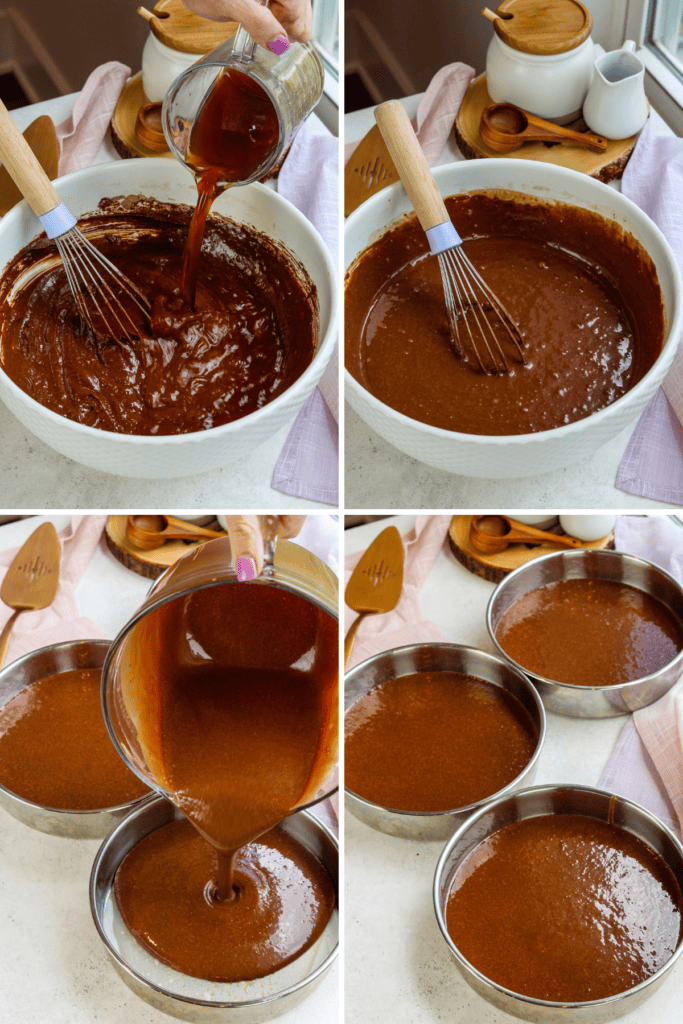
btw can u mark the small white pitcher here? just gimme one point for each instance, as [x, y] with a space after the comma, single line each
[615, 105]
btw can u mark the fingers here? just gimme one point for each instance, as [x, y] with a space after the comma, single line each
[246, 544]
[261, 24]
[214, 10]
[246, 541]
[290, 526]
[295, 17]
[265, 25]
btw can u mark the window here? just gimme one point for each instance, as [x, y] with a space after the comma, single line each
[325, 36]
[658, 27]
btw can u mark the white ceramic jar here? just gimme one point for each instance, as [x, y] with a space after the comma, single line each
[161, 66]
[552, 86]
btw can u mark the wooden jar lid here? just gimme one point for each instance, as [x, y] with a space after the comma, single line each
[179, 28]
[543, 26]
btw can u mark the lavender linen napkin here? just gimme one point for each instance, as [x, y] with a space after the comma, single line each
[631, 770]
[652, 465]
[308, 466]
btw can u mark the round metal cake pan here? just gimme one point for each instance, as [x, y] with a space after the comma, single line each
[592, 701]
[530, 803]
[438, 657]
[39, 664]
[191, 999]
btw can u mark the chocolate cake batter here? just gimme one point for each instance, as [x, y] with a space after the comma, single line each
[233, 694]
[434, 741]
[252, 333]
[566, 908]
[583, 293]
[55, 749]
[590, 632]
[285, 901]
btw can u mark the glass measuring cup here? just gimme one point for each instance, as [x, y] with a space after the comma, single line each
[131, 667]
[293, 82]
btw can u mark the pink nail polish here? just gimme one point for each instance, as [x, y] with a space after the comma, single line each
[246, 569]
[279, 45]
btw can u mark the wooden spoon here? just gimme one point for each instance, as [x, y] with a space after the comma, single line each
[147, 532]
[492, 534]
[375, 584]
[32, 579]
[505, 127]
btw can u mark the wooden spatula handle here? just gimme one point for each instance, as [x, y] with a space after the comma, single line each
[351, 636]
[24, 168]
[401, 141]
[5, 635]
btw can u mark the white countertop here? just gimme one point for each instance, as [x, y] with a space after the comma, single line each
[53, 965]
[377, 475]
[397, 964]
[30, 469]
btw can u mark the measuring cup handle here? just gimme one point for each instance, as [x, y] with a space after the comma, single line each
[243, 46]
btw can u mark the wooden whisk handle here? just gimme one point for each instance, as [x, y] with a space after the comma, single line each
[397, 132]
[23, 167]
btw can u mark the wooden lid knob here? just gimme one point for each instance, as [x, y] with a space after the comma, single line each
[542, 26]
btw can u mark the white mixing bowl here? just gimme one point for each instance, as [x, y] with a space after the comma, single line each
[521, 454]
[176, 455]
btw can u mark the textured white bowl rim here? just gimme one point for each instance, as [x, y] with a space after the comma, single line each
[323, 351]
[673, 330]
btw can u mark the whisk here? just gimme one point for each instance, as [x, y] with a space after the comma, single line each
[465, 291]
[95, 282]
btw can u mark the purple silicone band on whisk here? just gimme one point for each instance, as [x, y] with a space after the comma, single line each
[442, 237]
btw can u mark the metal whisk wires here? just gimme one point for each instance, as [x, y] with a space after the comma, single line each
[466, 292]
[475, 314]
[97, 284]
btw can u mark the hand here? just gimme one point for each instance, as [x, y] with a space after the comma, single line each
[266, 25]
[246, 541]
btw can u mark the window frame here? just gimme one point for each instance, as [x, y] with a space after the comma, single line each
[663, 79]
[325, 18]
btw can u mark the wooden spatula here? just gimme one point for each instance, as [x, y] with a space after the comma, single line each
[32, 579]
[375, 584]
[42, 138]
[369, 170]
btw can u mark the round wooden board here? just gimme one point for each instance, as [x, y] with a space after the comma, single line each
[604, 166]
[494, 568]
[145, 563]
[122, 127]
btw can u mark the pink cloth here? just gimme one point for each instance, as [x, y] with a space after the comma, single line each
[308, 466]
[60, 620]
[646, 764]
[437, 110]
[652, 465]
[82, 134]
[405, 624]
